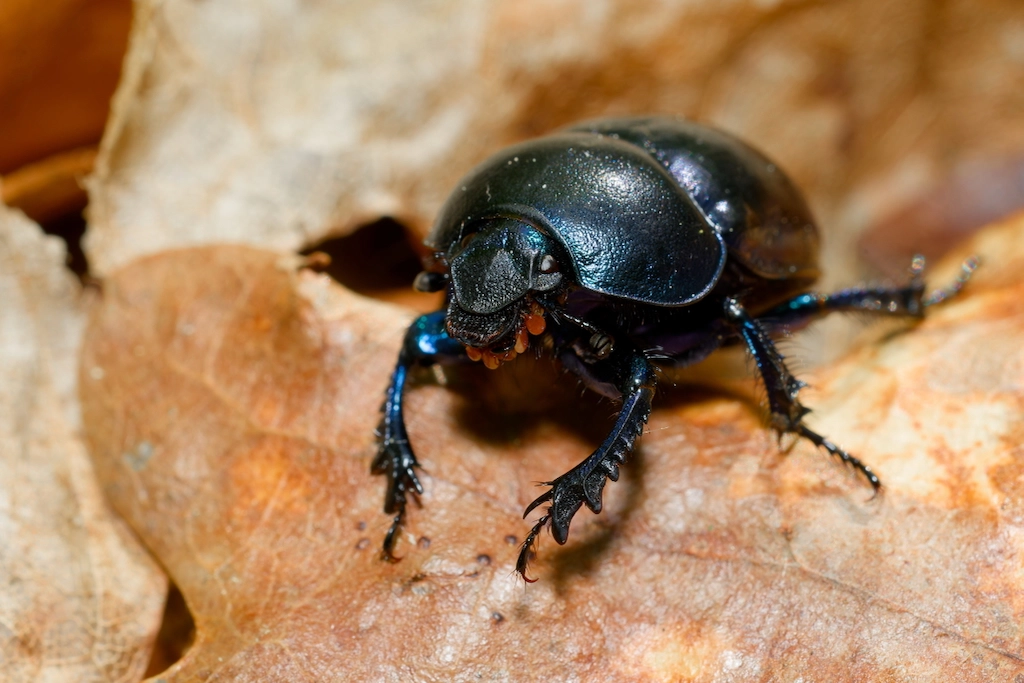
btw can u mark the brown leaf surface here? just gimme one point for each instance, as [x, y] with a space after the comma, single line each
[281, 124]
[230, 403]
[80, 600]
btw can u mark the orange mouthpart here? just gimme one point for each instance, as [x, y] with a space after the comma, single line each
[533, 323]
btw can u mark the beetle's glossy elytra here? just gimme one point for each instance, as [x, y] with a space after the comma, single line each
[621, 244]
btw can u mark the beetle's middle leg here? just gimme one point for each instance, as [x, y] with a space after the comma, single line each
[635, 379]
[782, 387]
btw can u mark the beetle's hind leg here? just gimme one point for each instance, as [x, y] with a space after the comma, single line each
[783, 388]
[908, 300]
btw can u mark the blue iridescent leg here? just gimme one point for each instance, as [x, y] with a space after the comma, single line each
[908, 300]
[905, 301]
[426, 343]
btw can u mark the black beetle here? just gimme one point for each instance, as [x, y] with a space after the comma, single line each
[624, 244]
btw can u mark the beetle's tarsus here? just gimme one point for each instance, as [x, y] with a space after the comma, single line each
[967, 269]
[391, 537]
[396, 460]
[526, 551]
[837, 452]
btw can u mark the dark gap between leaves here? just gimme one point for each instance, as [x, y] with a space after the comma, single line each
[375, 260]
[176, 635]
[70, 227]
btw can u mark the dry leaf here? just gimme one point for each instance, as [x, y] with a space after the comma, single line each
[281, 124]
[80, 600]
[50, 188]
[59, 65]
[230, 403]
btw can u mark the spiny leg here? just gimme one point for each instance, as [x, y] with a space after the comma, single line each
[426, 343]
[787, 413]
[782, 387]
[585, 482]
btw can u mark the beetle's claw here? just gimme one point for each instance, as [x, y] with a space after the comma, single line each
[401, 486]
[567, 495]
[540, 500]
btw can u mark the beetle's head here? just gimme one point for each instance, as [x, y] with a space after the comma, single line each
[495, 272]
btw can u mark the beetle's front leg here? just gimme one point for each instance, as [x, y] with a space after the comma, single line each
[635, 380]
[782, 387]
[426, 343]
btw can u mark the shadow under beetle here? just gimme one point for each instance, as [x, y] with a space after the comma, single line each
[622, 244]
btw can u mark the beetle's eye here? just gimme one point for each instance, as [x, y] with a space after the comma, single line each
[548, 264]
[467, 239]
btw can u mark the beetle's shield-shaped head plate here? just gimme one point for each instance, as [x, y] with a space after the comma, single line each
[499, 264]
